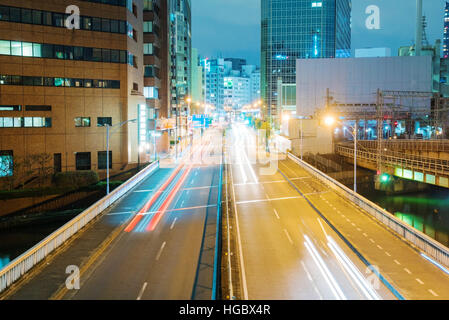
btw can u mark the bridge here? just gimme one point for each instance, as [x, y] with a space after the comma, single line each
[419, 161]
[279, 229]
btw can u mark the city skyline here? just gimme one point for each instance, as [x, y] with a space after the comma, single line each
[215, 25]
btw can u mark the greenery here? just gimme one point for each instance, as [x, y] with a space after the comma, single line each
[75, 179]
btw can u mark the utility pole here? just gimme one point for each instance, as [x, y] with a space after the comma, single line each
[379, 106]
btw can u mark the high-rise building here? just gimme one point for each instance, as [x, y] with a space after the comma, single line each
[180, 51]
[60, 87]
[300, 29]
[237, 92]
[446, 32]
[197, 78]
[237, 63]
[214, 82]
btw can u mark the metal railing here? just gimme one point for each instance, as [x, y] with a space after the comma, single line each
[428, 245]
[392, 158]
[415, 145]
[22, 264]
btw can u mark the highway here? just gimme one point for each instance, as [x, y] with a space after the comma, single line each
[298, 239]
[159, 248]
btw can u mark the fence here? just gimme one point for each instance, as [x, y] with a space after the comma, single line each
[428, 245]
[22, 264]
[416, 145]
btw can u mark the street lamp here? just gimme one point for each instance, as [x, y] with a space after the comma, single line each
[329, 121]
[108, 134]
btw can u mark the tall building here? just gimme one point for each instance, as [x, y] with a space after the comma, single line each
[180, 51]
[237, 92]
[197, 78]
[156, 82]
[59, 87]
[237, 63]
[446, 32]
[299, 29]
[214, 82]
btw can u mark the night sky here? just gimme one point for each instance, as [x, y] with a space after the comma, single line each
[231, 28]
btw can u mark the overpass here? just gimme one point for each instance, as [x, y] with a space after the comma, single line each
[419, 161]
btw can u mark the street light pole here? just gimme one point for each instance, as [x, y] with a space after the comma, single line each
[355, 157]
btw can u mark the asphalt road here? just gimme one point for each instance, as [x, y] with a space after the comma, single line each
[159, 253]
[288, 251]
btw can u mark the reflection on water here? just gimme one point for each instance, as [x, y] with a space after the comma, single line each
[426, 211]
[4, 260]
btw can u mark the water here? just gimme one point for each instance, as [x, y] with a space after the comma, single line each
[426, 211]
[15, 241]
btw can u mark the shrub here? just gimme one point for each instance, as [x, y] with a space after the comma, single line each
[76, 179]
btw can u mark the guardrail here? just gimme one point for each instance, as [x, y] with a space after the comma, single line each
[22, 264]
[436, 166]
[428, 245]
[415, 145]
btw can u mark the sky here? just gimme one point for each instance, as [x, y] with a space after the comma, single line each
[231, 28]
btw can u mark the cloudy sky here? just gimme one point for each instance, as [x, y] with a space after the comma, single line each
[231, 28]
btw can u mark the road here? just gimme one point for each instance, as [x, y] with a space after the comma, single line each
[298, 239]
[162, 240]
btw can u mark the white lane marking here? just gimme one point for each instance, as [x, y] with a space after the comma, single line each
[358, 229]
[364, 234]
[142, 291]
[160, 251]
[119, 213]
[387, 253]
[242, 264]
[173, 224]
[288, 236]
[433, 292]
[265, 200]
[419, 281]
[322, 228]
[407, 270]
[379, 247]
[397, 262]
[307, 271]
[276, 213]
[371, 240]
[139, 191]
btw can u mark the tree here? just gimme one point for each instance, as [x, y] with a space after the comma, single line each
[44, 170]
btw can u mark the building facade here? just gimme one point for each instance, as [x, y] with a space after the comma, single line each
[60, 87]
[197, 78]
[237, 92]
[446, 32]
[299, 29]
[214, 82]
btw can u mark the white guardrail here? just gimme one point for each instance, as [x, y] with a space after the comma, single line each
[428, 245]
[22, 264]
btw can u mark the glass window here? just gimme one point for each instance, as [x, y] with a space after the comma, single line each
[17, 122]
[37, 17]
[28, 122]
[105, 25]
[102, 121]
[58, 20]
[123, 56]
[87, 23]
[87, 83]
[38, 81]
[103, 160]
[78, 53]
[16, 48]
[148, 48]
[59, 82]
[47, 19]
[114, 26]
[27, 17]
[106, 55]
[68, 52]
[8, 122]
[5, 47]
[6, 163]
[148, 26]
[96, 24]
[78, 83]
[37, 50]
[59, 52]
[4, 13]
[49, 82]
[83, 161]
[122, 25]
[47, 51]
[38, 122]
[14, 14]
[27, 48]
[96, 54]
[115, 56]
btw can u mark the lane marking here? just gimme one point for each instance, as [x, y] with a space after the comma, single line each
[322, 227]
[119, 213]
[173, 224]
[288, 236]
[397, 262]
[160, 251]
[265, 200]
[276, 213]
[433, 293]
[307, 272]
[370, 239]
[139, 297]
[419, 281]
[365, 235]
[387, 253]
[408, 271]
[379, 247]
[139, 191]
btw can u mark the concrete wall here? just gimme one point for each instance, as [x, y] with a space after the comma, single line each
[315, 138]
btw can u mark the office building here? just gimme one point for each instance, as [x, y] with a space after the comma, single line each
[299, 29]
[446, 32]
[60, 87]
[197, 81]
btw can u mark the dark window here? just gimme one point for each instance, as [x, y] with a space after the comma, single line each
[14, 14]
[106, 55]
[105, 25]
[114, 26]
[102, 121]
[68, 52]
[96, 54]
[58, 20]
[37, 108]
[49, 82]
[57, 162]
[96, 24]
[83, 161]
[135, 86]
[47, 19]
[10, 108]
[27, 17]
[59, 52]
[103, 160]
[87, 23]
[4, 13]
[122, 25]
[88, 52]
[47, 51]
[115, 56]
[37, 17]
[78, 53]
